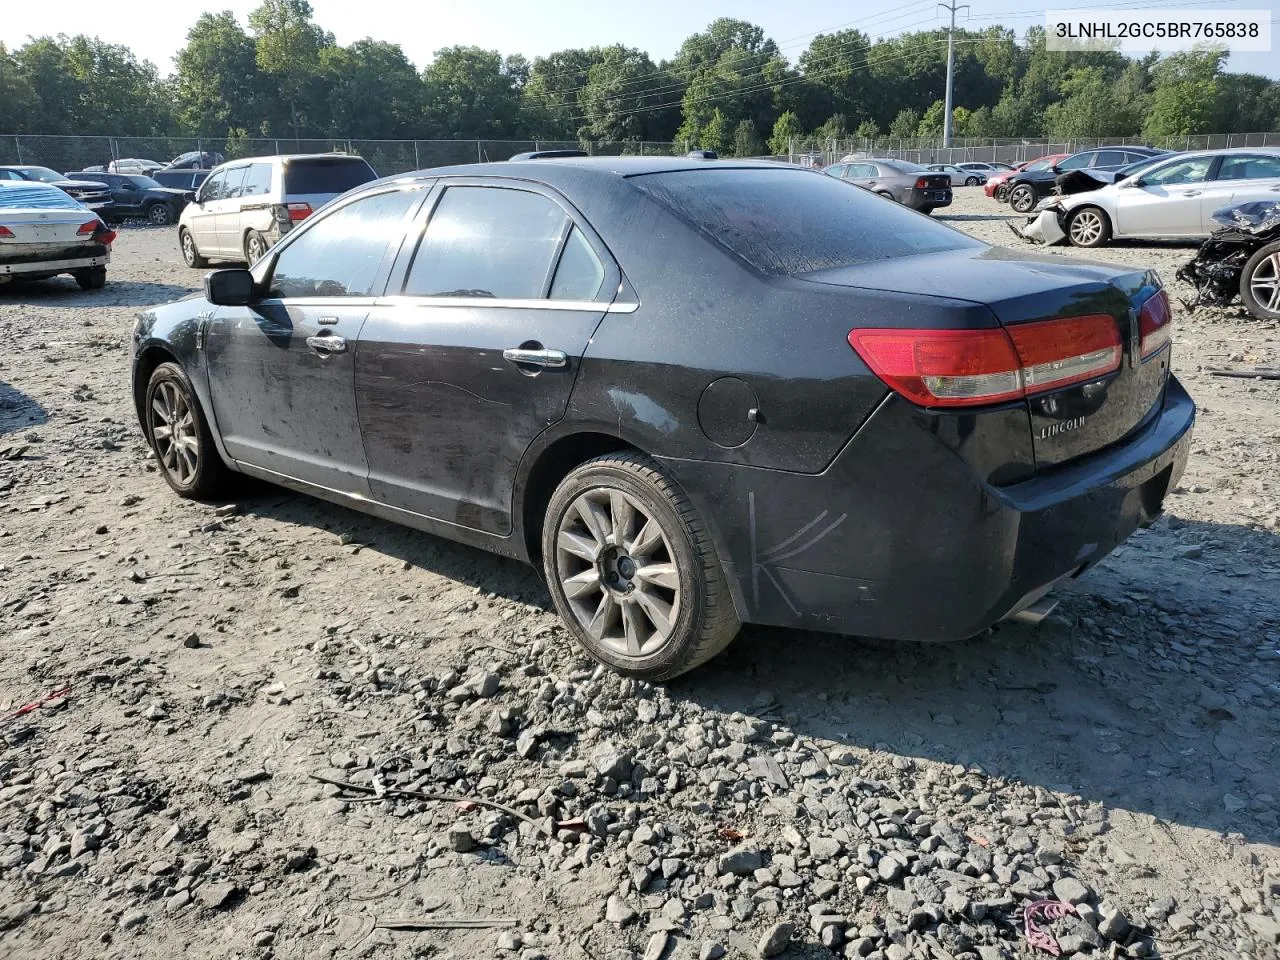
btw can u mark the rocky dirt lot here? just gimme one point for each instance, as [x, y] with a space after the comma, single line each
[803, 795]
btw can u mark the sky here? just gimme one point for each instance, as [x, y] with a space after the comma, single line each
[156, 32]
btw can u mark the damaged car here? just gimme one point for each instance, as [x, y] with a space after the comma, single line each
[44, 233]
[1241, 258]
[1029, 185]
[1174, 197]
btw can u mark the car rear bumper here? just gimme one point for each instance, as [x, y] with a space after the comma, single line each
[899, 538]
[61, 265]
[927, 199]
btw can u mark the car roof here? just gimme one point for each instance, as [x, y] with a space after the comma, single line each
[292, 156]
[553, 170]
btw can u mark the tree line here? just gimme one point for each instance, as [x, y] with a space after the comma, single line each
[729, 88]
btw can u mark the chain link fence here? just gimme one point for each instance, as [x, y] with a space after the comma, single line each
[72, 153]
[1010, 150]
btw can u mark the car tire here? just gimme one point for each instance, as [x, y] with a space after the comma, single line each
[255, 247]
[1002, 193]
[611, 519]
[159, 214]
[926, 210]
[180, 438]
[1088, 227]
[971, 181]
[91, 278]
[1022, 198]
[189, 252]
[887, 195]
[1260, 282]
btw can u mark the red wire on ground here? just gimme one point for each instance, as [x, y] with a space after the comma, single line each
[62, 692]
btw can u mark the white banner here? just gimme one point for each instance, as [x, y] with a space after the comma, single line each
[1141, 31]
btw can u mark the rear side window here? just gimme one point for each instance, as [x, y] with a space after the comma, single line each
[1249, 168]
[836, 170]
[1113, 158]
[325, 176]
[257, 181]
[1078, 162]
[580, 272]
[488, 242]
[339, 255]
[785, 222]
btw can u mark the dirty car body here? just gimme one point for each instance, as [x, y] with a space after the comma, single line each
[44, 233]
[1217, 270]
[908, 183]
[887, 428]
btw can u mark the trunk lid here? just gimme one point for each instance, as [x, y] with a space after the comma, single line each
[58, 227]
[1018, 289]
[936, 181]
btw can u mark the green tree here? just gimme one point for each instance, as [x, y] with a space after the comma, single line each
[374, 91]
[746, 141]
[785, 131]
[905, 123]
[837, 64]
[473, 93]
[717, 135]
[552, 97]
[867, 130]
[288, 50]
[1185, 95]
[930, 124]
[1248, 103]
[20, 105]
[627, 98]
[835, 128]
[217, 85]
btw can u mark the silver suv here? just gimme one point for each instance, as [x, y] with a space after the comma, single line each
[246, 206]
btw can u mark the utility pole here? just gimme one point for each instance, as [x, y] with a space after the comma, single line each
[951, 69]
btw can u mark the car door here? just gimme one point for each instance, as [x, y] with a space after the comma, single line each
[281, 371]
[478, 351]
[1240, 178]
[126, 195]
[202, 218]
[227, 212]
[1164, 201]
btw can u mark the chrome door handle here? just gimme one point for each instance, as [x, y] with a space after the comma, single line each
[552, 359]
[1193, 193]
[331, 344]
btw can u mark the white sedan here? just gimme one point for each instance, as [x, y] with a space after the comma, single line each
[959, 175]
[1172, 199]
[44, 233]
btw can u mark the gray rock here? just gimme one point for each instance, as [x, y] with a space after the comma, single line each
[831, 937]
[177, 901]
[902, 901]
[775, 939]
[889, 869]
[741, 861]
[657, 946]
[897, 951]
[618, 911]
[820, 921]
[1112, 923]
[612, 762]
[486, 684]
[460, 839]
[859, 947]
[1266, 929]
[215, 895]
[509, 941]
[131, 919]
[711, 949]
[825, 889]
[824, 848]
[1074, 935]
[1071, 890]
[1182, 922]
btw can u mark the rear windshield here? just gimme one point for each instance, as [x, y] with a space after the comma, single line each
[905, 166]
[792, 222]
[29, 196]
[326, 176]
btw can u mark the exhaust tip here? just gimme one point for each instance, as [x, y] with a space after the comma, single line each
[1033, 613]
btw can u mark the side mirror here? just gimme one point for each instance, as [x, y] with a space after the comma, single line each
[229, 288]
[1056, 169]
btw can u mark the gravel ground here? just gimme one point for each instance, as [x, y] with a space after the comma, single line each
[803, 795]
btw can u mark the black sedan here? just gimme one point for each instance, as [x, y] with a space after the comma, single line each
[694, 393]
[1027, 188]
[136, 196]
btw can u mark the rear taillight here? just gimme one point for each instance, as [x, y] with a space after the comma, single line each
[105, 236]
[1155, 324]
[921, 183]
[5, 232]
[88, 229]
[298, 211]
[963, 368]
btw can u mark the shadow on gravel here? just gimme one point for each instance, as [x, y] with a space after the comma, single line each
[66, 293]
[1151, 688]
[18, 411]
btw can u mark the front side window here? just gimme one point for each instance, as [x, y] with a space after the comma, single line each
[1188, 171]
[213, 188]
[1249, 168]
[1078, 162]
[340, 254]
[861, 171]
[836, 170]
[487, 242]
[1112, 158]
[235, 183]
[1044, 163]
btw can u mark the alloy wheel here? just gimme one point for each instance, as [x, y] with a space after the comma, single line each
[159, 215]
[173, 431]
[1265, 283]
[618, 572]
[1086, 228]
[1022, 199]
[188, 249]
[255, 248]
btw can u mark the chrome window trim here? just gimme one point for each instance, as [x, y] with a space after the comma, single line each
[574, 306]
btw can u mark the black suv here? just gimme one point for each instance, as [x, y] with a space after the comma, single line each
[1028, 187]
[133, 195]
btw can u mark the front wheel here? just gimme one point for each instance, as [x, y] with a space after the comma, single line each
[189, 252]
[632, 570]
[1002, 193]
[180, 436]
[1260, 283]
[91, 278]
[1022, 198]
[159, 214]
[255, 247]
[971, 181]
[1088, 227]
